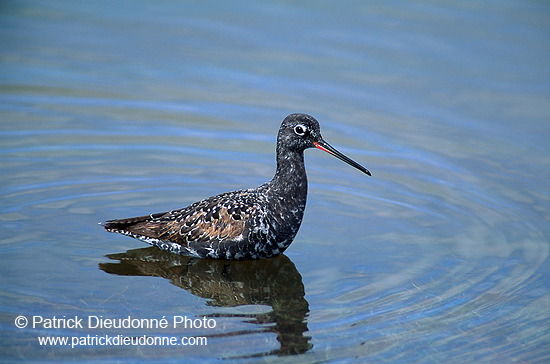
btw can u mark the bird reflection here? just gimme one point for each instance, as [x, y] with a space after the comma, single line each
[273, 282]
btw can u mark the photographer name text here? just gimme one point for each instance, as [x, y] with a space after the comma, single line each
[100, 322]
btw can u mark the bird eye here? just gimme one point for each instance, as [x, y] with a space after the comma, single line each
[300, 130]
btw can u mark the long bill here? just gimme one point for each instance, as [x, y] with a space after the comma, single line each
[331, 150]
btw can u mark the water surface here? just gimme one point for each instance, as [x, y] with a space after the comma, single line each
[117, 110]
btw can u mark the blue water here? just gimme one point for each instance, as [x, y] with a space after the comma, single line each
[113, 110]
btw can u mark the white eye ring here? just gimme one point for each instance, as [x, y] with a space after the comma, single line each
[300, 130]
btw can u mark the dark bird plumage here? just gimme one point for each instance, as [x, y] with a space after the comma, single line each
[245, 224]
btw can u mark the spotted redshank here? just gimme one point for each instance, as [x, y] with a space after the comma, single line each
[245, 224]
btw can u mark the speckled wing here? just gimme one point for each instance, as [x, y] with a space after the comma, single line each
[214, 220]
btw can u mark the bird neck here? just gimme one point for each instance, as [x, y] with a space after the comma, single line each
[290, 178]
